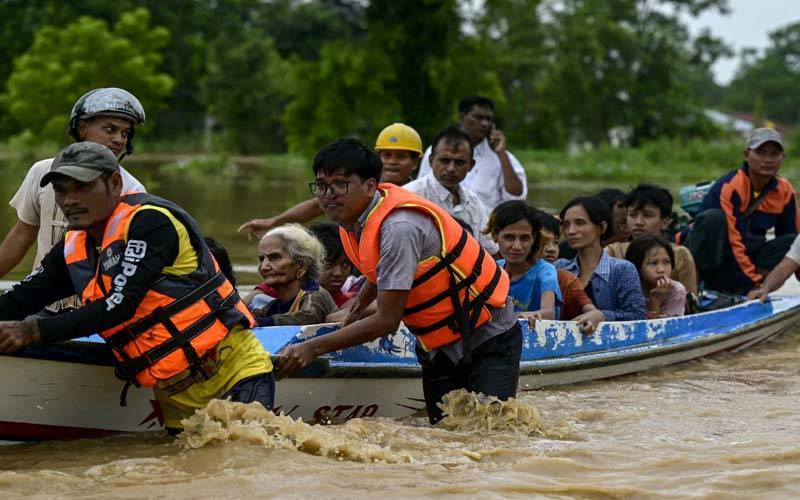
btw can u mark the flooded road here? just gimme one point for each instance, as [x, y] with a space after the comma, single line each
[727, 425]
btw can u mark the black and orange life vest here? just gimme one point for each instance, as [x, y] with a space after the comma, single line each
[179, 319]
[450, 291]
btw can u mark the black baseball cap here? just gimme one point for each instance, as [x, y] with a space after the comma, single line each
[82, 161]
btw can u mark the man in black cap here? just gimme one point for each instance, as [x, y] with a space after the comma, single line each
[148, 284]
[728, 240]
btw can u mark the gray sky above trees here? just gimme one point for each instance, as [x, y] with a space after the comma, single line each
[747, 25]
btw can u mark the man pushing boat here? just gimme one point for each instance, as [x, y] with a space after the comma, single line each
[425, 270]
[148, 285]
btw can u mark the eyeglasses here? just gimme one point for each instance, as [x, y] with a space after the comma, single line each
[320, 188]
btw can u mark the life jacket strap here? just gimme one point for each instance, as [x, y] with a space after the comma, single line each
[132, 332]
[444, 262]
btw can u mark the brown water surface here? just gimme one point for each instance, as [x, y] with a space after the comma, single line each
[723, 426]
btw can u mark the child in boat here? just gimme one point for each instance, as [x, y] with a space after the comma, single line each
[336, 268]
[290, 261]
[612, 284]
[534, 284]
[653, 257]
[577, 305]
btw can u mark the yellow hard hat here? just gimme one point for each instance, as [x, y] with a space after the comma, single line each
[399, 136]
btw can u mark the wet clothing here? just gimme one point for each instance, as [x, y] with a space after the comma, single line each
[731, 262]
[411, 238]
[614, 287]
[235, 369]
[683, 269]
[526, 291]
[575, 298]
[493, 370]
[168, 251]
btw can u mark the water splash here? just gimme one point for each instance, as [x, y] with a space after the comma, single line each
[467, 411]
[224, 421]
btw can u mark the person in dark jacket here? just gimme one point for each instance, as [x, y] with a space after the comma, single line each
[729, 236]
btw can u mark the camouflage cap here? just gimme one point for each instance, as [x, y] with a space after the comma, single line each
[759, 136]
[82, 161]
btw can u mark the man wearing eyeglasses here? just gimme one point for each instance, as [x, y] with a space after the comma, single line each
[728, 238]
[423, 268]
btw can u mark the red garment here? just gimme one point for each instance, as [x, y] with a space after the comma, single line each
[267, 290]
[574, 295]
[340, 297]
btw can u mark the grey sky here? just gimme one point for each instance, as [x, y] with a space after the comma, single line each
[746, 26]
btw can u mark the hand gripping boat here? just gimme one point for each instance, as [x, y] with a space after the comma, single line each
[68, 390]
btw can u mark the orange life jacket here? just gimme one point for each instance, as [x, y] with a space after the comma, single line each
[179, 319]
[439, 310]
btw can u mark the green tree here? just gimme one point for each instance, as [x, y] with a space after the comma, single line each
[769, 82]
[66, 61]
[342, 94]
[243, 89]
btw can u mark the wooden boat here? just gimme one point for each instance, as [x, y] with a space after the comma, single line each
[68, 390]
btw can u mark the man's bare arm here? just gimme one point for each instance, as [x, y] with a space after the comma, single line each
[17, 243]
[391, 304]
[303, 212]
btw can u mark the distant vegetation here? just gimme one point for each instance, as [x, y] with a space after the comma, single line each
[257, 77]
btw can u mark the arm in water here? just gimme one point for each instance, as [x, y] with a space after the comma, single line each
[391, 304]
[302, 212]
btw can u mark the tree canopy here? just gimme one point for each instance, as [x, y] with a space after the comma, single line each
[295, 74]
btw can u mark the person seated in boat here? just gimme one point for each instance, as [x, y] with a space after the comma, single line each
[451, 158]
[650, 213]
[336, 268]
[290, 260]
[729, 236]
[576, 306]
[400, 149]
[415, 257]
[653, 256]
[515, 226]
[148, 284]
[612, 284]
[790, 264]
[614, 199]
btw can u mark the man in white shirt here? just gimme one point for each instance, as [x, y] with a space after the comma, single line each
[106, 116]
[498, 176]
[451, 158]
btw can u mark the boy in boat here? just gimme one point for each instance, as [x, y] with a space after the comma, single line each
[399, 147]
[106, 116]
[425, 270]
[649, 212]
[150, 287]
[728, 240]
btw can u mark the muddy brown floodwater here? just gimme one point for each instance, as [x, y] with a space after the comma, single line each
[715, 428]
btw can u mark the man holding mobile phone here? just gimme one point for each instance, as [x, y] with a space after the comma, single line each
[497, 176]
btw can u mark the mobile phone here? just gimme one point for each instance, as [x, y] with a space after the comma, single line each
[492, 142]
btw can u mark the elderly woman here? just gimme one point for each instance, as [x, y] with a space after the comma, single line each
[290, 261]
